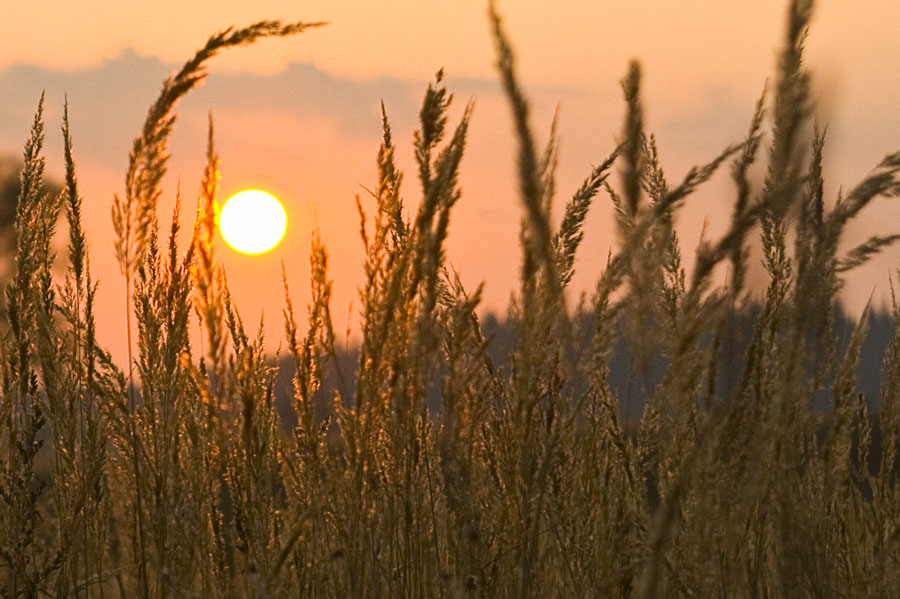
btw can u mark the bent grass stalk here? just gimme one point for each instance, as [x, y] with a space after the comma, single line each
[435, 467]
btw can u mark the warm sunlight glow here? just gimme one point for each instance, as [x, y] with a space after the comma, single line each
[253, 221]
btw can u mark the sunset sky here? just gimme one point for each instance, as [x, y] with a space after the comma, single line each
[299, 117]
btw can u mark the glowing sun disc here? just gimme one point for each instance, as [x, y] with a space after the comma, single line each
[252, 221]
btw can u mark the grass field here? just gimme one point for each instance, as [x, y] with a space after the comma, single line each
[174, 477]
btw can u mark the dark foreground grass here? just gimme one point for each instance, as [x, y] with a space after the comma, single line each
[175, 478]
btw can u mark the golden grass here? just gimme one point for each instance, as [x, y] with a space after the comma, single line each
[177, 478]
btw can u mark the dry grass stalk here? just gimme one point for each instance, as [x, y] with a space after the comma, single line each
[434, 470]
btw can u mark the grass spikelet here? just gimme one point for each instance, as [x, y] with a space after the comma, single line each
[24, 560]
[739, 218]
[570, 234]
[149, 154]
[539, 250]
[633, 143]
[208, 276]
[670, 438]
[790, 113]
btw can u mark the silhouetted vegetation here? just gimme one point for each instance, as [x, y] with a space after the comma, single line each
[668, 440]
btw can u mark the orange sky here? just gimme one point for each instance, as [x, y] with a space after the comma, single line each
[299, 117]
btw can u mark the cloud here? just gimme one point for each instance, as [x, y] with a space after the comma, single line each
[108, 102]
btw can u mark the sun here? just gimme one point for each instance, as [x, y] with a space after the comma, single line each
[252, 221]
